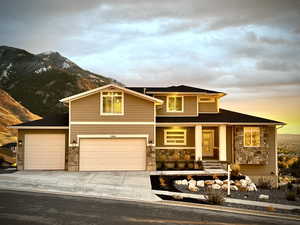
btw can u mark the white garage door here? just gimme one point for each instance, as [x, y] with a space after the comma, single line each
[112, 154]
[44, 152]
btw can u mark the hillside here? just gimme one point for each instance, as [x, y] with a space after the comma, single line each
[289, 143]
[11, 112]
[38, 81]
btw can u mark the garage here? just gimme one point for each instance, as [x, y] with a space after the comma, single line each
[44, 152]
[112, 154]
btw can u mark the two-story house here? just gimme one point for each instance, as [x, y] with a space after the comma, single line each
[148, 128]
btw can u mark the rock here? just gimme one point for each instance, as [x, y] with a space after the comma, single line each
[263, 197]
[215, 186]
[193, 182]
[252, 186]
[224, 187]
[177, 197]
[234, 188]
[184, 182]
[243, 183]
[179, 182]
[219, 182]
[249, 188]
[193, 188]
[209, 182]
[247, 178]
[200, 183]
[237, 183]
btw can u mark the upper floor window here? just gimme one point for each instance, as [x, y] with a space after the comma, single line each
[175, 137]
[206, 99]
[251, 136]
[174, 103]
[112, 103]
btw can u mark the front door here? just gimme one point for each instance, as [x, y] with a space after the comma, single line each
[208, 143]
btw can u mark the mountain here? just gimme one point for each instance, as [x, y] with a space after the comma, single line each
[38, 81]
[11, 112]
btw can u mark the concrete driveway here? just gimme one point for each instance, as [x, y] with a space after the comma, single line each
[119, 185]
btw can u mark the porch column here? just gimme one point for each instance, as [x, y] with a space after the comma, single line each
[198, 142]
[222, 143]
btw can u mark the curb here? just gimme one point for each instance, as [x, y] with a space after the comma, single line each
[166, 203]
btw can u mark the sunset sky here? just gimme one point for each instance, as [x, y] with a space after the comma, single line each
[248, 49]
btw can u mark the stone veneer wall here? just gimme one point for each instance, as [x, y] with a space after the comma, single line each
[73, 159]
[150, 158]
[20, 157]
[251, 155]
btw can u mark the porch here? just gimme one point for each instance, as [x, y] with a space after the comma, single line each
[189, 148]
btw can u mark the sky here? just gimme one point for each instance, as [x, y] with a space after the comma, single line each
[247, 49]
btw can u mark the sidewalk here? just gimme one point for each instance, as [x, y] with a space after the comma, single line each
[121, 185]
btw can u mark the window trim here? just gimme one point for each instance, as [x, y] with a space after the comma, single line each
[101, 104]
[182, 104]
[175, 130]
[244, 138]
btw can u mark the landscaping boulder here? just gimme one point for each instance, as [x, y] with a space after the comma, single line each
[179, 182]
[200, 183]
[216, 186]
[263, 197]
[219, 182]
[234, 188]
[209, 182]
[193, 188]
[224, 187]
[184, 182]
[193, 182]
[243, 183]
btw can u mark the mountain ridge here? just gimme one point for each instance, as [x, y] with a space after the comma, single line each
[38, 81]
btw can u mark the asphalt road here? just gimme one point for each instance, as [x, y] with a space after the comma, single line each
[22, 208]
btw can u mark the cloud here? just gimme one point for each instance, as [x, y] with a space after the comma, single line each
[277, 66]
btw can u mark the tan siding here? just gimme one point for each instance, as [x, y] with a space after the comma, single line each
[190, 107]
[135, 109]
[208, 107]
[190, 133]
[264, 170]
[112, 129]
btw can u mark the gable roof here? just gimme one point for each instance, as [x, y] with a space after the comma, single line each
[59, 120]
[93, 91]
[224, 116]
[174, 89]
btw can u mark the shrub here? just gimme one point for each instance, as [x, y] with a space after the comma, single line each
[235, 169]
[298, 190]
[270, 209]
[290, 186]
[264, 183]
[189, 177]
[162, 182]
[291, 196]
[216, 197]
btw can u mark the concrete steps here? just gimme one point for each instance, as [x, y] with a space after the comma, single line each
[212, 164]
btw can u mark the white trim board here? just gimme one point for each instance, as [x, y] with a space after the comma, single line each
[159, 124]
[87, 136]
[40, 127]
[109, 123]
[93, 91]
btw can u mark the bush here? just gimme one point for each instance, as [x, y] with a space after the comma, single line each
[264, 183]
[216, 197]
[235, 169]
[291, 196]
[298, 190]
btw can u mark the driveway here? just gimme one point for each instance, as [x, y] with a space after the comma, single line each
[120, 185]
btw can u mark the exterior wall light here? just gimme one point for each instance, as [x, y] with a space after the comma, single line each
[20, 143]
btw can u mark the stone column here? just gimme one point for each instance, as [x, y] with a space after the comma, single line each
[20, 157]
[73, 159]
[150, 158]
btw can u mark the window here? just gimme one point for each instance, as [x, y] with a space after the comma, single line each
[174, 104]
[206, 99]
[175, 137]
[251, 136]
[112, 103]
